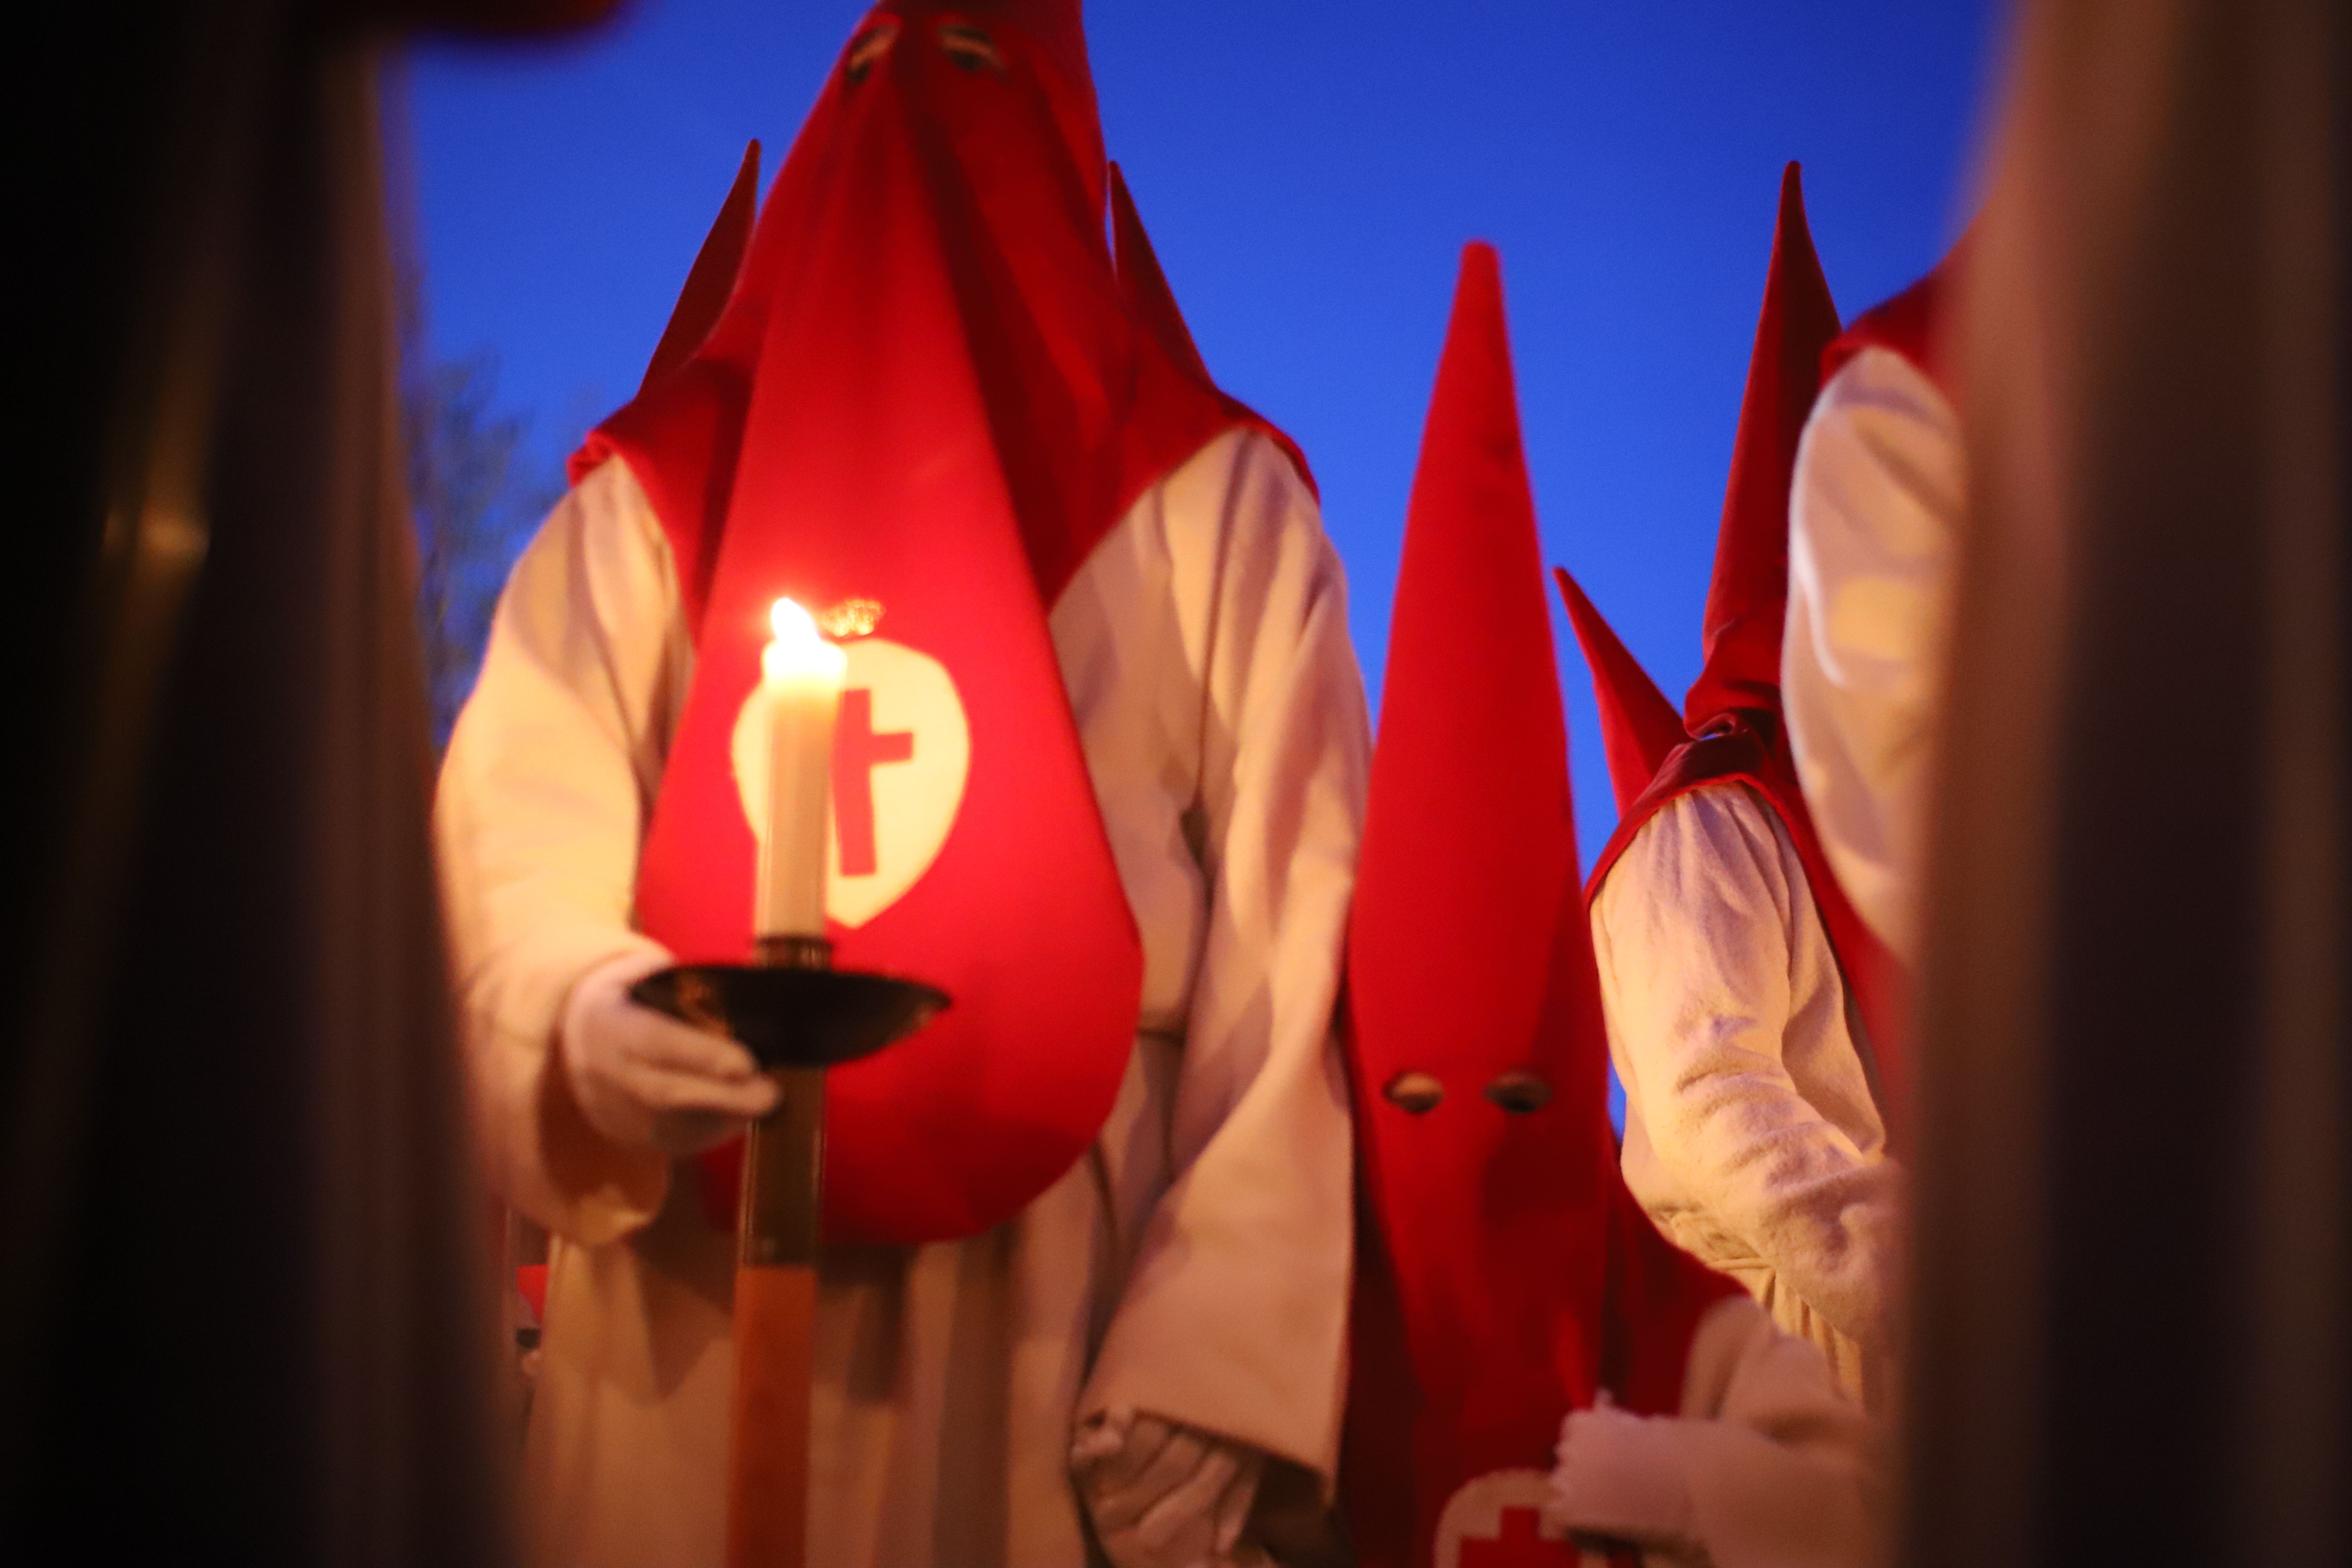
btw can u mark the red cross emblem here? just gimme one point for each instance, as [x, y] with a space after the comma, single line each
[901, 754]
[857, 750]
[1494, 1521]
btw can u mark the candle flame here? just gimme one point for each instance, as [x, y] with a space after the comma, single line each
[793, 627]
[799, 652]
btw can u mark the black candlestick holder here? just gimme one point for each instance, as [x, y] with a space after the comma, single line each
[794, 1009]
[797, 1015]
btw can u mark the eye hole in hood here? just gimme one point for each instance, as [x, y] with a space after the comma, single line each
[868, 47]
[970, 46]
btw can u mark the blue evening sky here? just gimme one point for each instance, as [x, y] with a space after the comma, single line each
[1309, 173]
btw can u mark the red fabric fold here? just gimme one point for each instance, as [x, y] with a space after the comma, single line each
[1639, 728]
[530, 1282]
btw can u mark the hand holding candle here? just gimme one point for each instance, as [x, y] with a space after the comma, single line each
[799, 678]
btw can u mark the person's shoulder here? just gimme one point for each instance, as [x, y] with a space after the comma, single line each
[610, 489]
[1878, 385]
[1241, 474]
[1716, 812]
[609, 510]
[1702, 843]
[601, 531]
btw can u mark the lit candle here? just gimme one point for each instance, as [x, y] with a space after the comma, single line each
[799, 676]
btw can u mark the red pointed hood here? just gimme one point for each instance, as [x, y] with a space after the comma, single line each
[1747, 602]
[710, 281]
[1639, 728]
[1468, 838]
[927, 390]
[960, 139]
[1508, 1274]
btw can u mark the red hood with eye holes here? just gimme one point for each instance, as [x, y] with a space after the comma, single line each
[929, 387]
[1504, 1275]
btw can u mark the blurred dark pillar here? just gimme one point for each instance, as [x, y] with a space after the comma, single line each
[242, 1315]
[2135, 1239]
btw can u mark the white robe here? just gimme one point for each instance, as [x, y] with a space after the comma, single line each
[1751, 1135]
[1193, 1264]
[1873, 536]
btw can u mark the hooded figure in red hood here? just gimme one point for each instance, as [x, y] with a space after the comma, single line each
[1751, 1013]
[1097, 773]
[1511, 1296]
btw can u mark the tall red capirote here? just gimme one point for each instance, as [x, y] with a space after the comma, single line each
[1748, 598]
[1505, 1274]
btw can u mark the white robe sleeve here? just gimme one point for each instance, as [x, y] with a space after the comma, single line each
[1750, 1132]
[1235, 1314]
[1766, 1465]
[1875, 514]
[550, 773]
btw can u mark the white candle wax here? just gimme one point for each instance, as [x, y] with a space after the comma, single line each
[800, 677]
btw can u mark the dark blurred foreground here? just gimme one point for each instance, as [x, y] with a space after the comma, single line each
[243, 1316]
[2133, 1299]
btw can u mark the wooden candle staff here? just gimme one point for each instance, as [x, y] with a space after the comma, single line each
[777, 1228]
[798, 1017]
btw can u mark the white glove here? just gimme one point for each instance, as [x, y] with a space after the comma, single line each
[1620, 1476]
[1163, 1496]
[646, 1081]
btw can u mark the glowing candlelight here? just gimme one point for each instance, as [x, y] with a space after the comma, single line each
[799, 676]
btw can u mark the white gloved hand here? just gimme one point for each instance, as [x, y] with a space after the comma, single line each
[646, 1081]
[1161, 1495]
[1620, 1476]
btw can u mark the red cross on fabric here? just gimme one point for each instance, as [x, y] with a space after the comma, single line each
[857, 750]
[1519, 1546]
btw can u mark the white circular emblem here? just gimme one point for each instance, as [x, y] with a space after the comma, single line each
[1494, 1520]
[901, 753]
